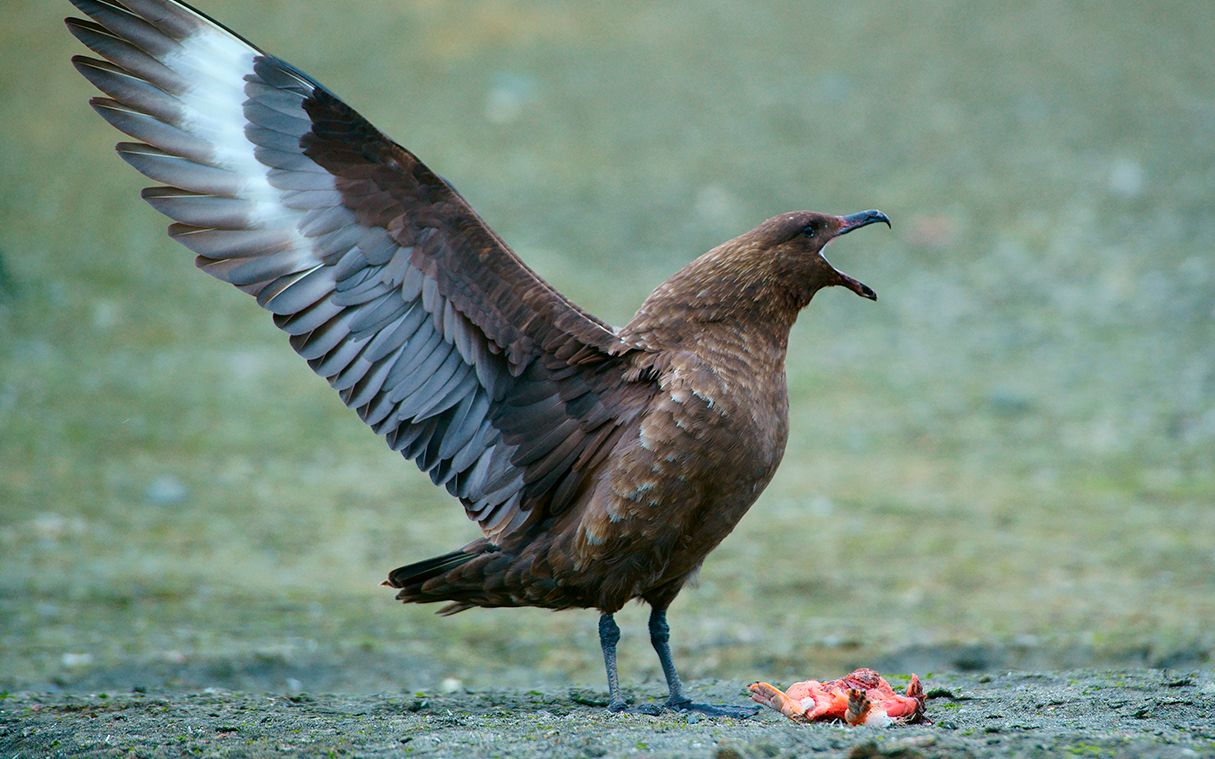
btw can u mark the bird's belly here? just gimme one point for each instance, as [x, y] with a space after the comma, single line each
[719, 511]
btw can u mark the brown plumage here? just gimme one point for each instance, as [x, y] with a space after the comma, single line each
[601, 465]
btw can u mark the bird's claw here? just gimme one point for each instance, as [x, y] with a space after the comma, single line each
[622, 707]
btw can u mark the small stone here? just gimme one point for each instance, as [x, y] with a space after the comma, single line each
[509, 97]
[75, 660]
[866, 750]
[52, 527]
[451, 685]
[833, 87]
[1009, 403]
[1127, 178]
[166, 490]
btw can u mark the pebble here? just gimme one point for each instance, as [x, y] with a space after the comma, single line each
[510, 97]
[1127, 178]
[166, 490]
[74, 660]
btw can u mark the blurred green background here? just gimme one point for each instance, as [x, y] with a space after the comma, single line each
[1006, 461]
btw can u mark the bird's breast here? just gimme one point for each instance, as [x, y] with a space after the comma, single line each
[729, 420]
[702, 452]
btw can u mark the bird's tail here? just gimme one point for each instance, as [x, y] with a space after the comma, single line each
[412, 579]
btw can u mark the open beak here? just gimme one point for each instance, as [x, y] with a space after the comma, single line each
[847, 224]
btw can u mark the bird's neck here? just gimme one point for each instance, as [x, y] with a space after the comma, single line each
[729, 295]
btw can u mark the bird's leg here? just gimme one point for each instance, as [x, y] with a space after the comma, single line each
[609, 636]
[660, 636]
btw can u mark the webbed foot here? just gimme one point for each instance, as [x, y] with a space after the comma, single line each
[713, 710]
[686, 706]
[621, 707]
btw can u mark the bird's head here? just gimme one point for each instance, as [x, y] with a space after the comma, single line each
[758, 281]
[797, 240]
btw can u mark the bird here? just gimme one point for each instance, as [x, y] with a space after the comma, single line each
[601, 464]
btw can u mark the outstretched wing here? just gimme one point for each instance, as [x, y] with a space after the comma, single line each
[390, 286]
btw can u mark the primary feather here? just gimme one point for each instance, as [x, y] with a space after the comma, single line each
[390, 286]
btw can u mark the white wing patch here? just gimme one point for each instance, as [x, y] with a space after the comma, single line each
[218, 66]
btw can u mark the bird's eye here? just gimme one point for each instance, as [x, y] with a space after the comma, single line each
[809, 230]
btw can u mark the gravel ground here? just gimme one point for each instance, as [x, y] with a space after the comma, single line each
[1133, 713]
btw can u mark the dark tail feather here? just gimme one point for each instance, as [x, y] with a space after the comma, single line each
[412, 579]
[412, 575]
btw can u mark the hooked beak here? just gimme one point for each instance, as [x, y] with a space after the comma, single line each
[862, 219]
[847, 224]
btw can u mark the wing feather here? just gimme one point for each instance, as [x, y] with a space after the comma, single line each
[387, 282]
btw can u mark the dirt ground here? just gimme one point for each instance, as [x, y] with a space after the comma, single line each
[1130, 713]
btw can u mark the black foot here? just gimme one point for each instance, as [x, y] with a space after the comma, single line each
[709, 710]
[715, 710]
[652, 710]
